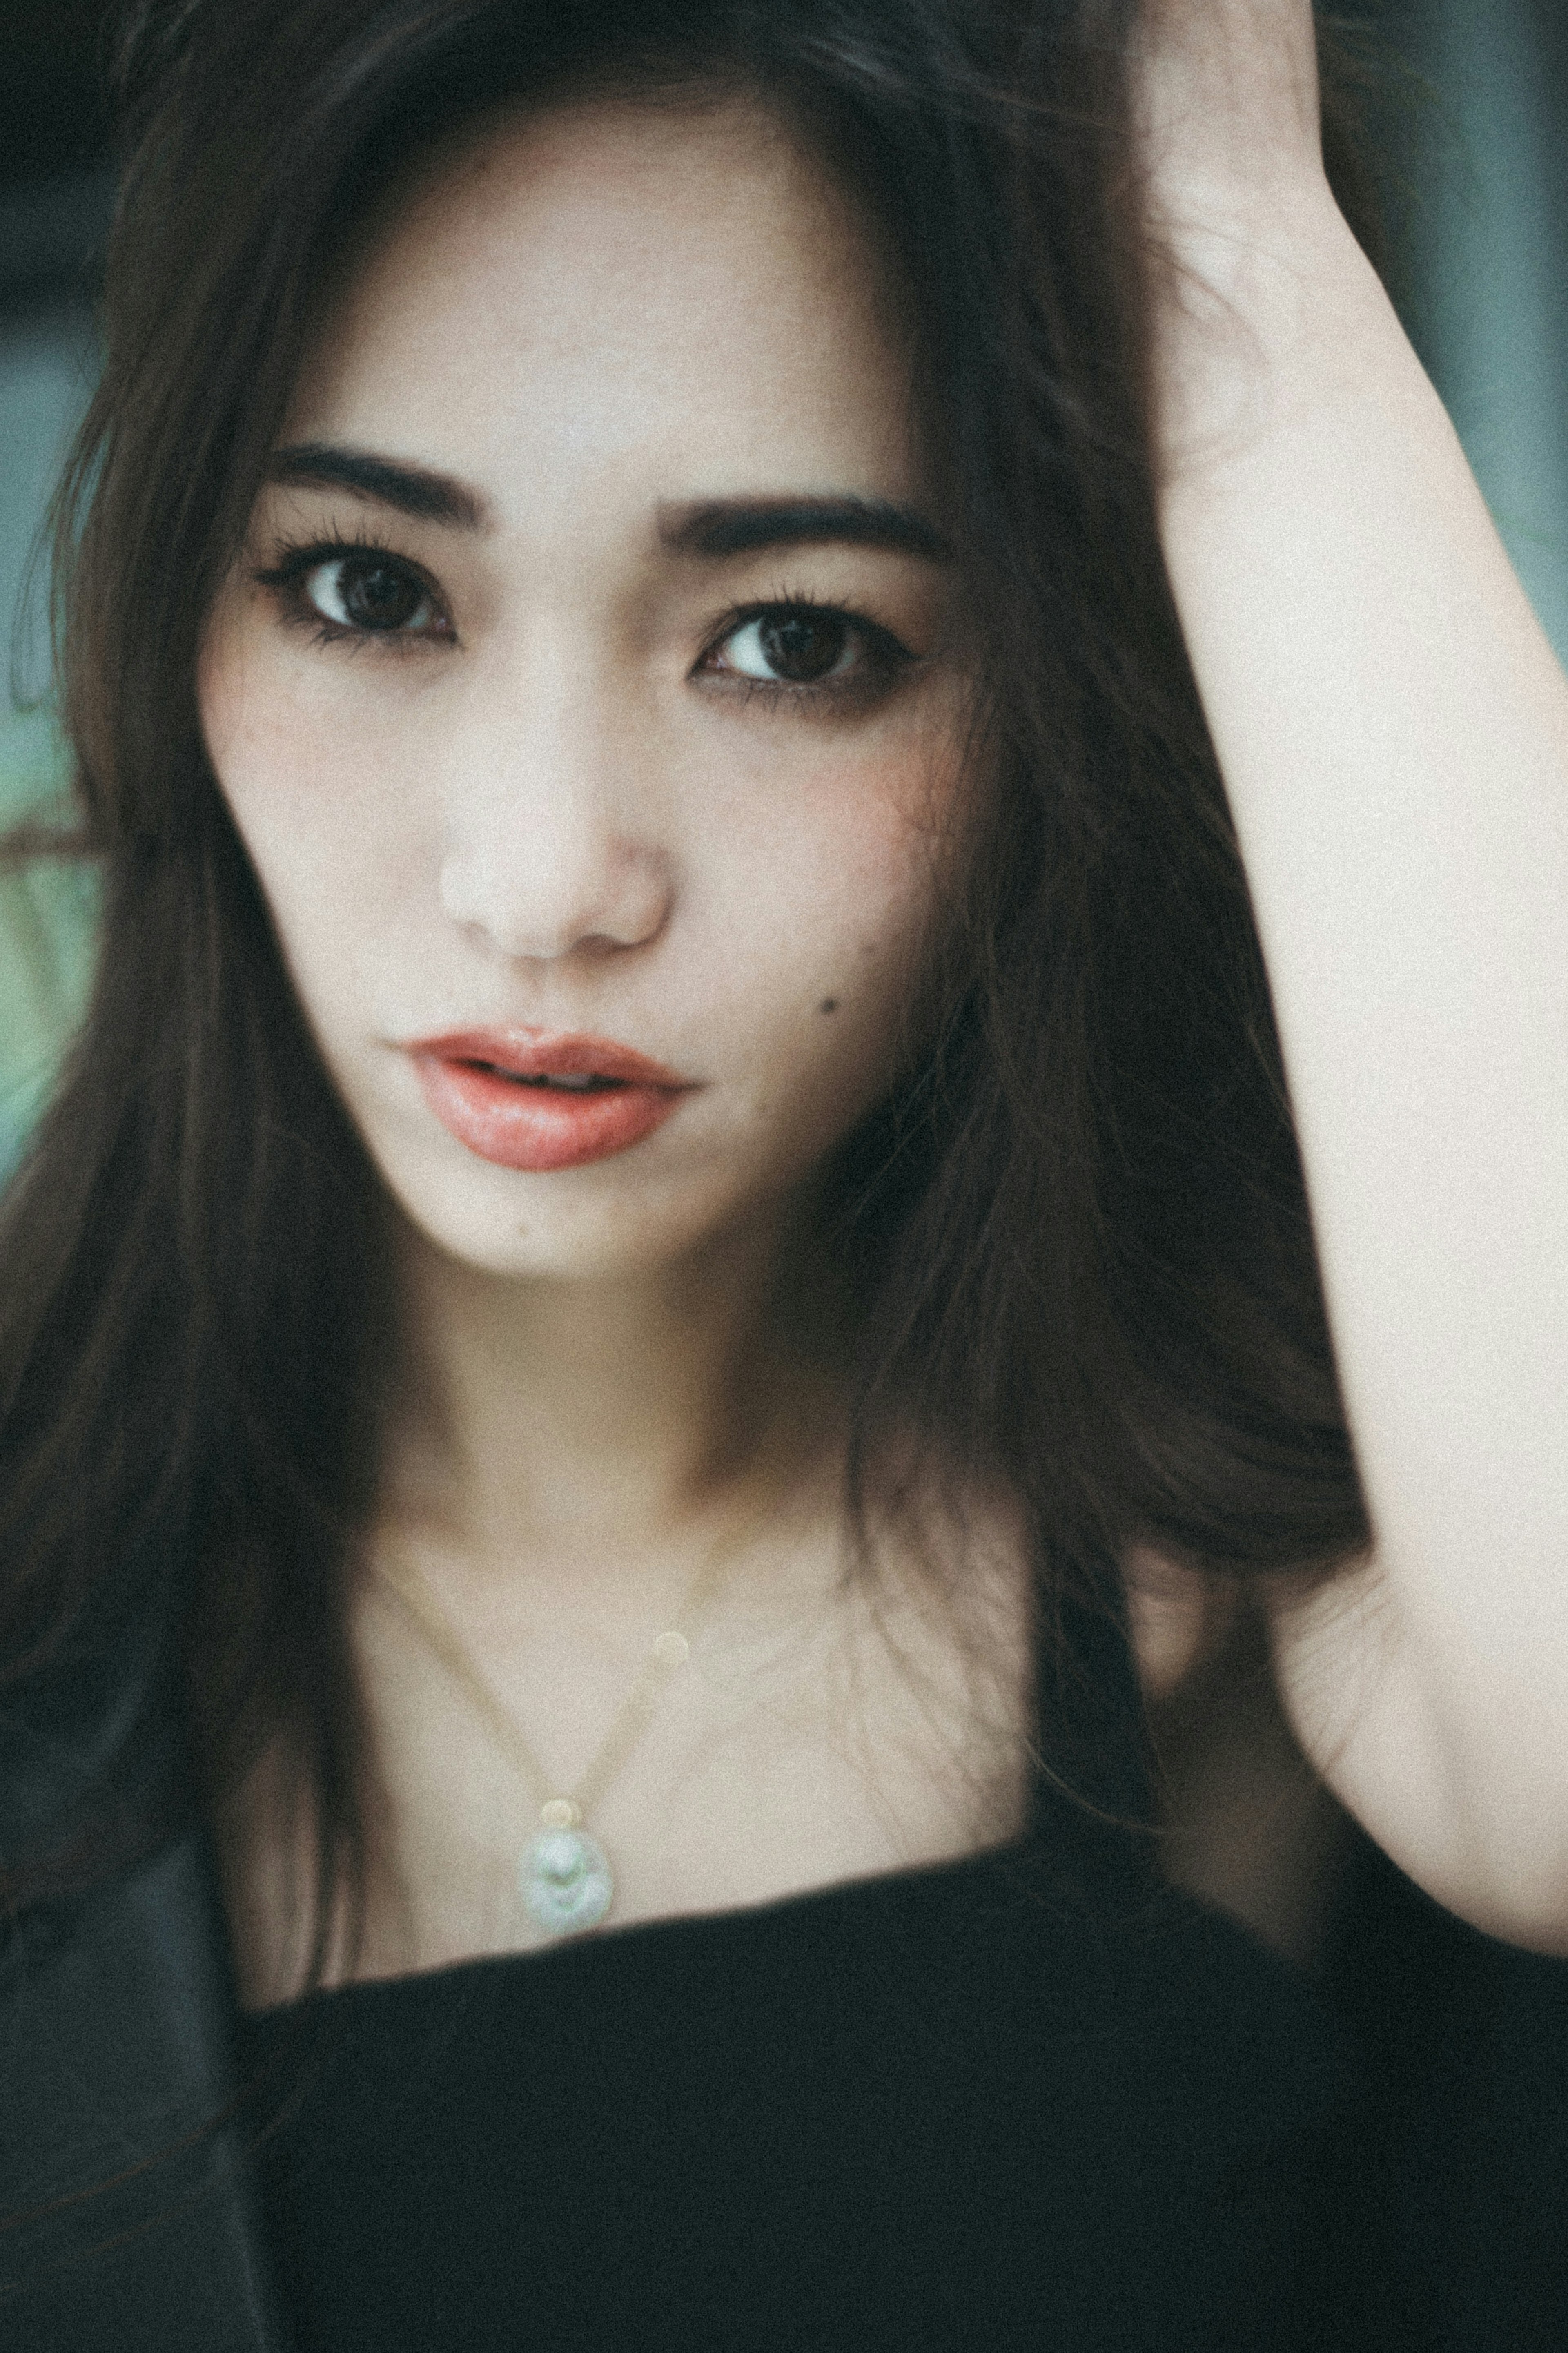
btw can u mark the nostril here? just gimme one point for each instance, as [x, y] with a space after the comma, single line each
[533, 906]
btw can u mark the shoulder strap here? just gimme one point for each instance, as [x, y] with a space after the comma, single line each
[1094, 1784]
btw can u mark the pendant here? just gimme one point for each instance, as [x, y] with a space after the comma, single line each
[566, 1881]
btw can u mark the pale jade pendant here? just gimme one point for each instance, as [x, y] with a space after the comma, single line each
[567, 1883]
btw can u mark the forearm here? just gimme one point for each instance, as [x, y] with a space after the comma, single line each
[1393, 730]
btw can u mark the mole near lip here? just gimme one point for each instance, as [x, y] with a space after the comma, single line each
[489, 1088]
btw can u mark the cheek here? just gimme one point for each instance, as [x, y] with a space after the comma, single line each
[875, 836]
[291, 780]
[309, 801]
[827, 932]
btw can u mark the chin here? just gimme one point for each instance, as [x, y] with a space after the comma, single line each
[568, 1228]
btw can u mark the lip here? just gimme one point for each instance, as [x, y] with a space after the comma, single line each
[474, 1081]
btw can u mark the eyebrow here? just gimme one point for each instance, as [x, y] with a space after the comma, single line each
[416, 491]
[709, 529]
[717, 528]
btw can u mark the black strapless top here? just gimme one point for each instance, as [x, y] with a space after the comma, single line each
[1030, 2098]
[941, 2109]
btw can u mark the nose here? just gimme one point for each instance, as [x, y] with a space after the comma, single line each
[551, 839]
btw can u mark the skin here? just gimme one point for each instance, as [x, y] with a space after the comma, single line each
[555, 797]
[1392, 729]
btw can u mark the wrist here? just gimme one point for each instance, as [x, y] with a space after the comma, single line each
[1215, 242]
[1255, 311]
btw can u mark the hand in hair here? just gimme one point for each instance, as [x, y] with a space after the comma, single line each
[1226, 99]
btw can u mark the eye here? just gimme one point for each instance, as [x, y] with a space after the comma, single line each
[806, 647]
[795, 645]
[367, 591]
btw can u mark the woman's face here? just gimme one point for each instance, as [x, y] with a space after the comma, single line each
[588, 696]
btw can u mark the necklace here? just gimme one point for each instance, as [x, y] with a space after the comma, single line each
[564, 1876]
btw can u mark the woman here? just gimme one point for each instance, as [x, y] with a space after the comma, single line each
[676, 1240]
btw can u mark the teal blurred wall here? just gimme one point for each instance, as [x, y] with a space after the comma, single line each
[47, 367]
[1488, 239]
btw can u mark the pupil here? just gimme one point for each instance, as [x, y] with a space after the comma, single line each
[376, 596]
[802, 646]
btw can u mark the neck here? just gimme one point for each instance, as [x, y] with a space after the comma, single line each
[564, 1419]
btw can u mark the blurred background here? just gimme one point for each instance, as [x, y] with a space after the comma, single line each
[1475, 146]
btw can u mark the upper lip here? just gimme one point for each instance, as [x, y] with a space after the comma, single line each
[547, 1054]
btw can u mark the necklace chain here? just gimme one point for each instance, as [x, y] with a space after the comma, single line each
[667, 1651]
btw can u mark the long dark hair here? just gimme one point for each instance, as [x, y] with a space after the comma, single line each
[1079, 1235]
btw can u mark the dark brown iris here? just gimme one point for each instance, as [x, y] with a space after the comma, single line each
[378, 596]
[801, 647]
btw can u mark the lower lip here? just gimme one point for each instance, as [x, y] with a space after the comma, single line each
[522, 1126]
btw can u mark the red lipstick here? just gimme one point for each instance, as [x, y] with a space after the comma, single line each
[529, 1099]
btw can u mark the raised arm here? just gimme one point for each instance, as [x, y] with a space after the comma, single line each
[1393, 730]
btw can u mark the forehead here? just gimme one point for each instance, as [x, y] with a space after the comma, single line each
[620, 292]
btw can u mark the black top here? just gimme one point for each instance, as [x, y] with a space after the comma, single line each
[1035, 2098]
[1024, 2099]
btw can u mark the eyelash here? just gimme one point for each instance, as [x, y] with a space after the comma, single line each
[296, 561]
[884, 656]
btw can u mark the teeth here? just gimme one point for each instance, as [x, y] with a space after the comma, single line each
[572, 1082]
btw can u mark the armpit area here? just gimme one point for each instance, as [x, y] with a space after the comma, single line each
[1247, 1825]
